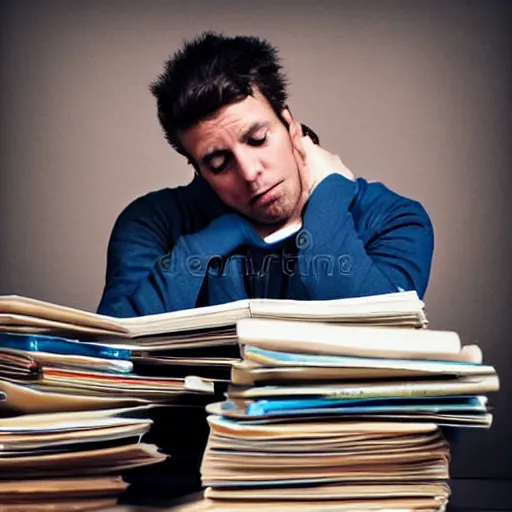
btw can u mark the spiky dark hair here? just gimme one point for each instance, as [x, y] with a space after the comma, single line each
[213, 71]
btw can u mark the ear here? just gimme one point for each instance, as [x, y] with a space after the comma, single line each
[294, 129]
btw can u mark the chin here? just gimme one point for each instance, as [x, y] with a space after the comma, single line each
[273, 217]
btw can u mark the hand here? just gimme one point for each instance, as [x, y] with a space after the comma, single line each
[315, 164]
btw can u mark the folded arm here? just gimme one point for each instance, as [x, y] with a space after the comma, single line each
[335, 261]
[148, 272]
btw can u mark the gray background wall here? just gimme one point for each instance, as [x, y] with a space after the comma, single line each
[416, 94]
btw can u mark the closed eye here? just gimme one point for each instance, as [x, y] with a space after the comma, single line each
[217, 169]
[218, 161]
[257, 141]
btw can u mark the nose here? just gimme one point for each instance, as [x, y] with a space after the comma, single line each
[249, 166]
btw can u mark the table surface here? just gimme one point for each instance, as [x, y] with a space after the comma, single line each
[196, 498]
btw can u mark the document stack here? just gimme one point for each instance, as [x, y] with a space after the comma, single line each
[61, 461]
[72, 414]
[330, 405]
[175, 359]
[199, 342]
[324, 417]
[69, 461]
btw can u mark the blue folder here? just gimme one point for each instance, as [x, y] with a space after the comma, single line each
[57, 345]
[363, 406]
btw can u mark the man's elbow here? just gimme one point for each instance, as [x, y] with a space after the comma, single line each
[418, 266]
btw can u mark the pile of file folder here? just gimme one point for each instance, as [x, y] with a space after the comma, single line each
[73, 414]
[70, 461]
[304, 405]
[333, 417]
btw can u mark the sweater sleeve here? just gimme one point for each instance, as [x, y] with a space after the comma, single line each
[145, 277]
[335, 260]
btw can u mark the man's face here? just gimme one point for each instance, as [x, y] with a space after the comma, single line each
[246, 154]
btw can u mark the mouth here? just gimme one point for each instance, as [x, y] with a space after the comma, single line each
[265, 197]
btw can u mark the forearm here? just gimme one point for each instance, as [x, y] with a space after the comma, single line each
[334, 262]
[167, 287]
[175, 280]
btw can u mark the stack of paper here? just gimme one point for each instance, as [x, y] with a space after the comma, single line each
[62, 460]
[321, 416]
[50, 374]
[202, 341]
[65, 461]
[43, 372]
[358, 465]
[333, 405]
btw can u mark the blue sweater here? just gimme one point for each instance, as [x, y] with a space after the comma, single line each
[181, 248]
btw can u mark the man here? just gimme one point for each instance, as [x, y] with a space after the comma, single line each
[268, 214]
